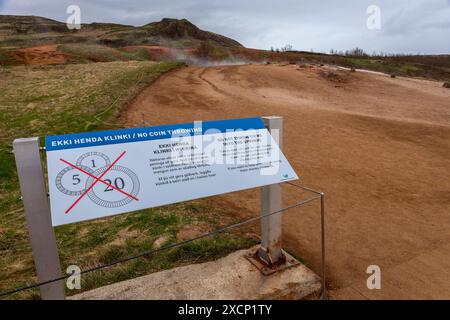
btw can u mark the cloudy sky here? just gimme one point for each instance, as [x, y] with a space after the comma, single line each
[406, 26]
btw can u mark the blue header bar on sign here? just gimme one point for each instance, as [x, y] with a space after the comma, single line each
[90, 139]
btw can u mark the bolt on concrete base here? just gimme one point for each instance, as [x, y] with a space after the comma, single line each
[232, 277]
[284, 262]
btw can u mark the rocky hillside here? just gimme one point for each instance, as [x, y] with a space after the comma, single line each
[20, 25]
[32, 31]
[183, 29]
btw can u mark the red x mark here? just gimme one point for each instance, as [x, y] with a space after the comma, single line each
[97, 179]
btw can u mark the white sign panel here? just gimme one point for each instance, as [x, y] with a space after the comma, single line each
[98, 174]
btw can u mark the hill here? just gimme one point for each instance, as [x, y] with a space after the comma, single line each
[32, 40]
[17, 25]
[19, 31]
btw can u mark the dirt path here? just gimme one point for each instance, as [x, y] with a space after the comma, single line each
[379, 148]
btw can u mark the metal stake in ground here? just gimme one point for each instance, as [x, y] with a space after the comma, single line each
[271, 201]
[37, 212]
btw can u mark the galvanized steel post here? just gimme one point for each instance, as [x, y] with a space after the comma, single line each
[37, 212]
[271, 201]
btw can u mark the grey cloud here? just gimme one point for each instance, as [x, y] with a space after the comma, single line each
[408, 26]
[415, 17]
[438, 25]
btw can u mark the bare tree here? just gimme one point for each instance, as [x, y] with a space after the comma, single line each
[356, 52]
[287, 47]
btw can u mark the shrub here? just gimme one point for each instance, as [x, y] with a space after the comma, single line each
[447, 84]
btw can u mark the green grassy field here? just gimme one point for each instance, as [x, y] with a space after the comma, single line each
[437, 68]
[36, 101]
[100, 53]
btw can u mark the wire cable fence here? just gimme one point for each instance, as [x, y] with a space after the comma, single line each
[318, 195]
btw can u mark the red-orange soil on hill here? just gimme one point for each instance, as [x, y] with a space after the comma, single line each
[40, 55]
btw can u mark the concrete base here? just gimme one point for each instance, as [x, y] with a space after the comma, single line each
[232, 277]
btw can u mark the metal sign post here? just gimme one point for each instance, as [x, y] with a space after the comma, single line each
[271, 201]
[37, 211]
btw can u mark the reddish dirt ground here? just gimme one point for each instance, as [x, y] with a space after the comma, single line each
[378, 147]
[41, 55]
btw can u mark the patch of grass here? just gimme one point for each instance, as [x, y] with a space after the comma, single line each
[6, 59]
[209, 51]
[387, 66]
[186, 43]
[156, 223]
[100, 53]
[205, 249]
[409, 68]
[127, 235]
[41, 101]
[371, 64]
[111, 254]
[139, 55]
[7, 167]
[263, 55]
